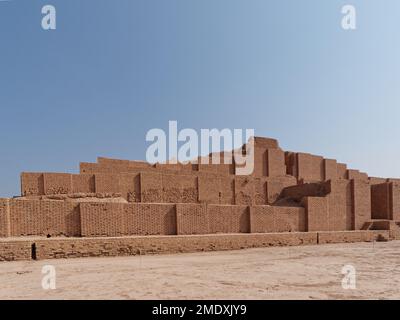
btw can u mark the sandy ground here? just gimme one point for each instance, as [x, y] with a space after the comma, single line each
[308, 272]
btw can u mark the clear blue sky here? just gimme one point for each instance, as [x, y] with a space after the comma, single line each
[115, 69]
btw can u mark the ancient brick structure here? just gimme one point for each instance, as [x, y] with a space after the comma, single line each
[288, 192]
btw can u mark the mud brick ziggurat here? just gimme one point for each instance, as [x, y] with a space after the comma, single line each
[121, 207]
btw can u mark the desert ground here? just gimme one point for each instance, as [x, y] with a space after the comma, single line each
[306, 272]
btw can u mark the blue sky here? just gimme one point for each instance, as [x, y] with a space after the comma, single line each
[115, 69]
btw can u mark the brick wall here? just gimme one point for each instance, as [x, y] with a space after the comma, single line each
[316, 213]
[244, 191]
[209, 188]
[260, 191]
[260, 162]
[375, 180]
[152, 219]
[330, 169]
[5, 218]
[277, 219]
[180, 188]
[118, 219]
[44, 217]
[355, 174]
[351, 236]
[15, 250]
[361, 198]
[340, 206]
[226, 190]
[380, 201]
[98, 247]
[192, 219]
[102, 219]
[225, 166]
[161, 187]
[189, 188]
[151, 187]
[57, 183]
[310, 167]
[298, 192]
[124, 246]
[266, 143]
[275, 160]
[107, 183]
[395, 201]
[129, 186]
[88, 167]
[276, 185]
[291, 163]
[32, 184]
[292, 219]
[228, 219]
[83, 183]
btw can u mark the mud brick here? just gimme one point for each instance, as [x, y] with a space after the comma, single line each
[107, 183]
[151, 187]
[44, 217]
[192, 219]
[380, 201]
[330, 169]
[156, 219]
[260, 162]
[340, 206]
[289, 219]
[83, 183]
[260, 191]
[102, 219]
[32, 184]
[310, 167]
[129, 186]
[189, 188]
[275, 159]
[171, 187]
[5, 218]
[316, 213]
[341, 171]
[209, 188]
[244, 191]
[57, 183]
[228, 218]
[226, 190]
[361, 197]
[355, 174]
[262, 219]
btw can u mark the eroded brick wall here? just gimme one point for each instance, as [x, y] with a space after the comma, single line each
[98, 247]
[310, 168]
[32, 184]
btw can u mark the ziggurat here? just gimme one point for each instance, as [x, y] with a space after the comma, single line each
[122, 207]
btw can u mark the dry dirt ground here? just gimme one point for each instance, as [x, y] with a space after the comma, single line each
[308, 272]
